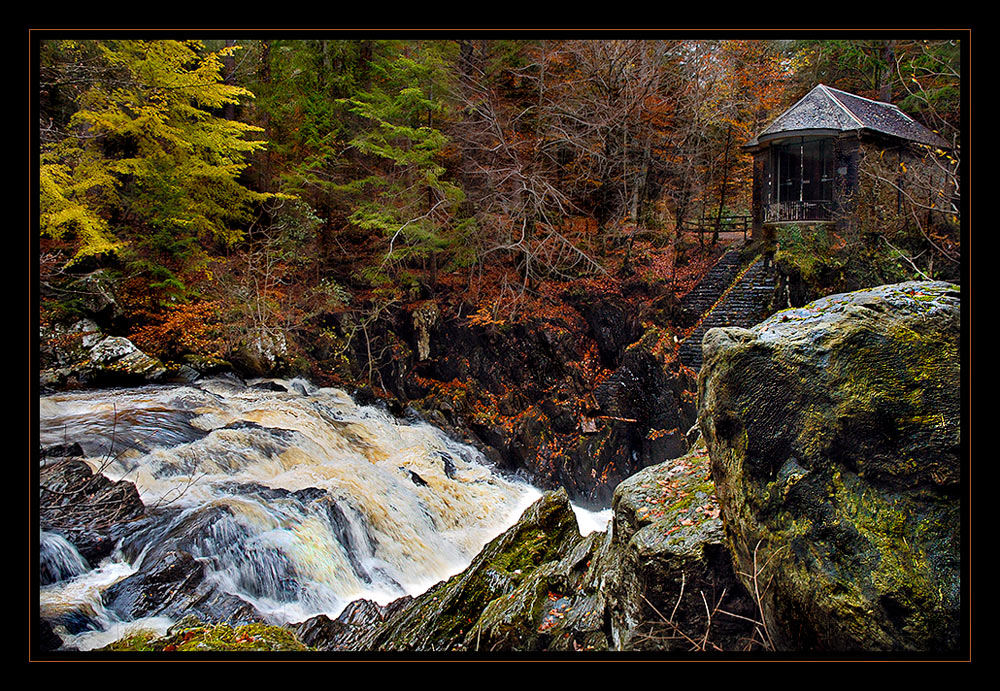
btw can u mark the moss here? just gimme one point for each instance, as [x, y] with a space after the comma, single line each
[218, 637]
[136, 642]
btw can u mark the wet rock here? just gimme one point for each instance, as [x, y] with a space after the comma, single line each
[87, 509]
[175, 586]
[46, 639]
[655, 397]
[63, 351]
[213, 538]
[269, 386]
[346, 631]
[181, 374]
[61, 346]
[72, 449]
[674, 568]
[834, 433]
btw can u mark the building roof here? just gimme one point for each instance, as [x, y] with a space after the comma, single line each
[826, 110]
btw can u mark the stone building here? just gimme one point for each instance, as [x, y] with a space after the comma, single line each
[809, 163]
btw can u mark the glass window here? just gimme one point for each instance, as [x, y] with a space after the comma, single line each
[803, 171]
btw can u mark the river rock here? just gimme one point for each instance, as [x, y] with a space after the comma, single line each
[86, 508]
[46, 639]
[346, 632]
[118, 359]
[62, 349]
[175, 586]
[834, 434]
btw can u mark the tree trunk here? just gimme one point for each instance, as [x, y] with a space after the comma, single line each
[725, 179]
[885, 76]
[229, 77]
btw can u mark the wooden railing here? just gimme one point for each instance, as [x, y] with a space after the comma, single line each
[798, 211]
[724, 224]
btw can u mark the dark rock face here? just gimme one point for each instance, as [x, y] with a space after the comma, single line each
[612, 324]
[834, 433]
[550, 422]
[87, 509]
[523, 391]
[655, 397]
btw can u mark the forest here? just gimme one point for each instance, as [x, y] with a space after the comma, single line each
[237, 189]
[396, 285]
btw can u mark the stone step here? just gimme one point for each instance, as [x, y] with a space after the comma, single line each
[742, 301]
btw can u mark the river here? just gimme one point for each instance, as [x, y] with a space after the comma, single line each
[322, 501]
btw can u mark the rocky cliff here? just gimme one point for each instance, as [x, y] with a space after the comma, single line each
[834, 433]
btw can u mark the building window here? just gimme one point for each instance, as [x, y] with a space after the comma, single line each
[802, 172]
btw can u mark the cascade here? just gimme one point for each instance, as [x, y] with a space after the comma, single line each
[294, 498]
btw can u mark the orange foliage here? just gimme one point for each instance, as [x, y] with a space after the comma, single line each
[185, 328]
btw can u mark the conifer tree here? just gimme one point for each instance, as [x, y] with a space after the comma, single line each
[407, 198]
[146, 168]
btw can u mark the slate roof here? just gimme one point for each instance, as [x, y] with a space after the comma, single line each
[829, 110]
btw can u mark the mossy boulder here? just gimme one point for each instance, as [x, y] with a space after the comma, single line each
[834, 435]
[675, 587]
[500, 601]
[541, 586]
[117, 360]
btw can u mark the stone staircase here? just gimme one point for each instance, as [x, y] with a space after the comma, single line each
[743, 301]
[700, 298]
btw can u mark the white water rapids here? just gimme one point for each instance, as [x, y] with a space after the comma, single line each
[325, 501]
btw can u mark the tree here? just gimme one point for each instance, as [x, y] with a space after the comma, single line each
[406, 198]
[145, 169]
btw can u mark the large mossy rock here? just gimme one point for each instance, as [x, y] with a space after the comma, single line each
[659, 580]
[525, 591]
[834, 434]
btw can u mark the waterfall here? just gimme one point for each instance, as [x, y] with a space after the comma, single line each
[296, 500]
